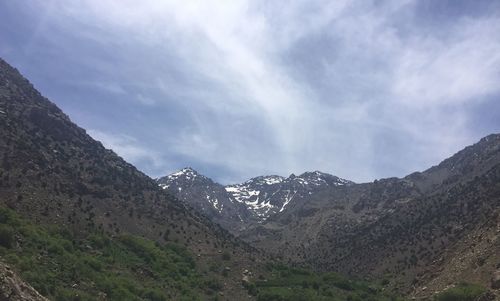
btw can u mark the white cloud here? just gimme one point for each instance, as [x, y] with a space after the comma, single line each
[129, 148]
[463, 67]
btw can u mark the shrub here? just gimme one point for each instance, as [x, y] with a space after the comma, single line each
[55, 248]
[461, 292]
[213, 285]
[226, 256]
[270, 296]
[154, 295]
[6, 216]
[6, 236]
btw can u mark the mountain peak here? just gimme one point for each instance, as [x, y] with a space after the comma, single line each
[266, 180]
[317, 178]
[315, 173]
[188, 170]
[185, 172]
[185, 175]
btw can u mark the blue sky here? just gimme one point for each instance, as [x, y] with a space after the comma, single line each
[236, 89]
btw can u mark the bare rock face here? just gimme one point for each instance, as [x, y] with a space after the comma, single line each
[12, 288]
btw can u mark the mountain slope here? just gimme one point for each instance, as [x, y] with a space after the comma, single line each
[412, 228]
[52, 172]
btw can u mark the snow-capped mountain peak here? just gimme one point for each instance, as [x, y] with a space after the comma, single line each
[186, 174]
[318, 178]
[257, 199]
[267, 195]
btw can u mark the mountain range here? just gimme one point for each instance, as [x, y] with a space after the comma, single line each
[239, 206]
[429, 228]
[77, 222]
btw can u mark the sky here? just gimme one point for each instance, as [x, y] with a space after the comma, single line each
[235, 89]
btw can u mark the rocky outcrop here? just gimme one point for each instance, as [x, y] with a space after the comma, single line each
[13, 288]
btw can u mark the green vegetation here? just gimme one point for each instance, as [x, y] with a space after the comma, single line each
[293, 284]
[226, 256]
[461, 292]
[63, 267]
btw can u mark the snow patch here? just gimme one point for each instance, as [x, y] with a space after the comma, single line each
[287, 200]
[271, 180]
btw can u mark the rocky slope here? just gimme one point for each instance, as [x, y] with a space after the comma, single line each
[13, 288]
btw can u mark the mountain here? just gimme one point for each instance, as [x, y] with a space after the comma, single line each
[428, 230]
[425, 231]
[84, 203]
[77, 222]
[267, 195]
[238, 206]
[52, 171]
[206, 197]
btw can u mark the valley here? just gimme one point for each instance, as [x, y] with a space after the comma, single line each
[412, 228]
[77, 222]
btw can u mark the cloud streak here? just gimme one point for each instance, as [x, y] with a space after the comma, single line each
[129, 148]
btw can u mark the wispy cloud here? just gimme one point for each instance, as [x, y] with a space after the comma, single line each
[362, 89]
[130, 149]
[463, 67]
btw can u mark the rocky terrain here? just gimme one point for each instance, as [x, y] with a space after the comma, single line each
[425, 231]
[12, 288]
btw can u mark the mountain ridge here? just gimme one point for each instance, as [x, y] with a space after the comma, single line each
[236, 206]
[421, 234]
[401, 226]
